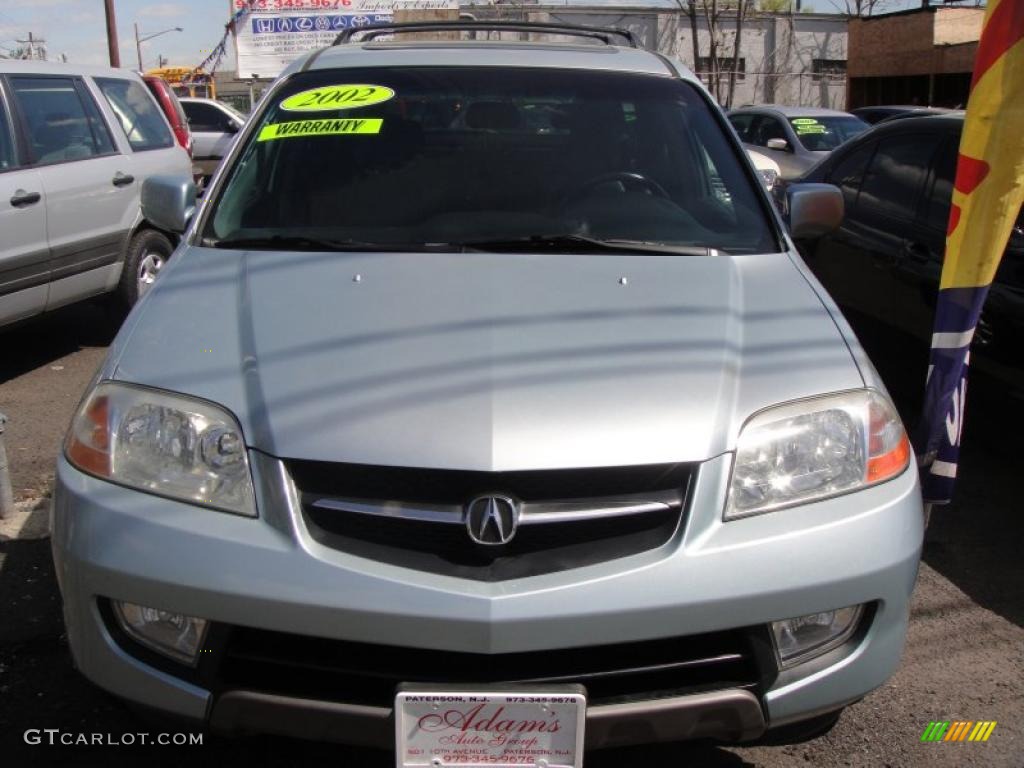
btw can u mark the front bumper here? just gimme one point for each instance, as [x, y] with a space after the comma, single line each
[269, 574]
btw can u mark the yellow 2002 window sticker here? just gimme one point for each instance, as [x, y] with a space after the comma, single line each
[320, 128]
[329, 97]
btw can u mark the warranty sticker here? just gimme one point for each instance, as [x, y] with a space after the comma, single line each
[320, 128]
[348, 96]
[804, 121]
[801, 129]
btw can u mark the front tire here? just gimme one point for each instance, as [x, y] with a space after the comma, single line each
[148, 252]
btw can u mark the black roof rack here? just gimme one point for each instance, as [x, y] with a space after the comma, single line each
[604, 34]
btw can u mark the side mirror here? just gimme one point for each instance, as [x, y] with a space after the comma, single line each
[232, 127]
[780, 144]
[168, 202]
[814, 210]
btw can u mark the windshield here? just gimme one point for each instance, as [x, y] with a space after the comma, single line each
[823, 134]
[392, 158]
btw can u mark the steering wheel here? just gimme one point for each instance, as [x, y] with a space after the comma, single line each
[627, 179]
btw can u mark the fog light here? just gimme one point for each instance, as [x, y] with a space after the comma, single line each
[171, 634]
[803, 638]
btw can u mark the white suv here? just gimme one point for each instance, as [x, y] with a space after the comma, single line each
[76, 143]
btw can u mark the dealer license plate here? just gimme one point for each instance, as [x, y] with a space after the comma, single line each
[496, 729]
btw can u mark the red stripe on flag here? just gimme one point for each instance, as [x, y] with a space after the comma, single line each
[954, 219]
[1004, 28]
[970, 172]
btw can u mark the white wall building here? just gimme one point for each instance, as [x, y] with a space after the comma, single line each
[795, 59]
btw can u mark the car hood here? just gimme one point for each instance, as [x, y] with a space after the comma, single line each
[485, 361]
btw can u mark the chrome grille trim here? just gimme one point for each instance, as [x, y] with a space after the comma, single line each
[531, 512]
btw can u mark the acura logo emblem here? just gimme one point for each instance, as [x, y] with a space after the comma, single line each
[492, 520]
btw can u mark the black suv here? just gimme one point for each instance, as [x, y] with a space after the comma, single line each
[883, 264]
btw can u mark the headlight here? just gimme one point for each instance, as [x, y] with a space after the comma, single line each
[770, 177]
[813, 449]
[163, 443]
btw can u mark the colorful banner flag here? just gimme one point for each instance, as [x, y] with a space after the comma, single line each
[987, 196]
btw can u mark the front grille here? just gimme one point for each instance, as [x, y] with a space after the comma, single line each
[362, 673]
[444, 548]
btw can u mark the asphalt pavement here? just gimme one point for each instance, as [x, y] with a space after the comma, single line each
[964, 658]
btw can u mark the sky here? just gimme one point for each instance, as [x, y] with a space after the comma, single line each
[77, 27]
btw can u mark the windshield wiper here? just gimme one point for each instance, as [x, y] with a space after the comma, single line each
[582, 243]
[304, 243]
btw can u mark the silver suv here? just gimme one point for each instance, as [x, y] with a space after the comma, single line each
[76, 145]
[487, 413]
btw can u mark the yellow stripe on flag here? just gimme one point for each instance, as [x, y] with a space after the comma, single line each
[989, 187]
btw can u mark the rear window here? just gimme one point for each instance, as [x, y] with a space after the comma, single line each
[394, 157]
[823, 134]
[138, 113]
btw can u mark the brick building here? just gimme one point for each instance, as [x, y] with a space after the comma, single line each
[921, 56]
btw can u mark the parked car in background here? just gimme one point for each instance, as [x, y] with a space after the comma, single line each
[918, 113]
[171, 106]
[884, 263]
[765, 166]
[794, 137]
[214, 127]
[512, 428]
[76, 144]
[878, 114]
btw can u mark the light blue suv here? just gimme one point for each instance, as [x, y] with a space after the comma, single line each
[486, 413]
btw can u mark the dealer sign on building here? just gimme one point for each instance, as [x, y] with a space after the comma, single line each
[275, 32]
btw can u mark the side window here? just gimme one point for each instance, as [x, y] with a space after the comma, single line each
[61, 127]
[742, 125]
[139, 115]
[848, 173]
[99, 126]
[769, 128]
[205, 118]
[894, 179]
[940, 196]
[7, 160]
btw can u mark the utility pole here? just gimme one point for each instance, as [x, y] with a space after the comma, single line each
[115, 55]
[138, 46]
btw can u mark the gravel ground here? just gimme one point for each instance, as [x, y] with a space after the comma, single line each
[964, 658]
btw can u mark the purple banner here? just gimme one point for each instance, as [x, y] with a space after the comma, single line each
[937, 440]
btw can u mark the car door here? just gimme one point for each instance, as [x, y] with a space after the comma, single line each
[920, 264]
[137, 119]
[839, 259]
[84, 179]
[213, 131]
[24, 253]
[887, 213]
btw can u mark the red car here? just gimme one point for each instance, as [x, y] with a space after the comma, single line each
[171, 107]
